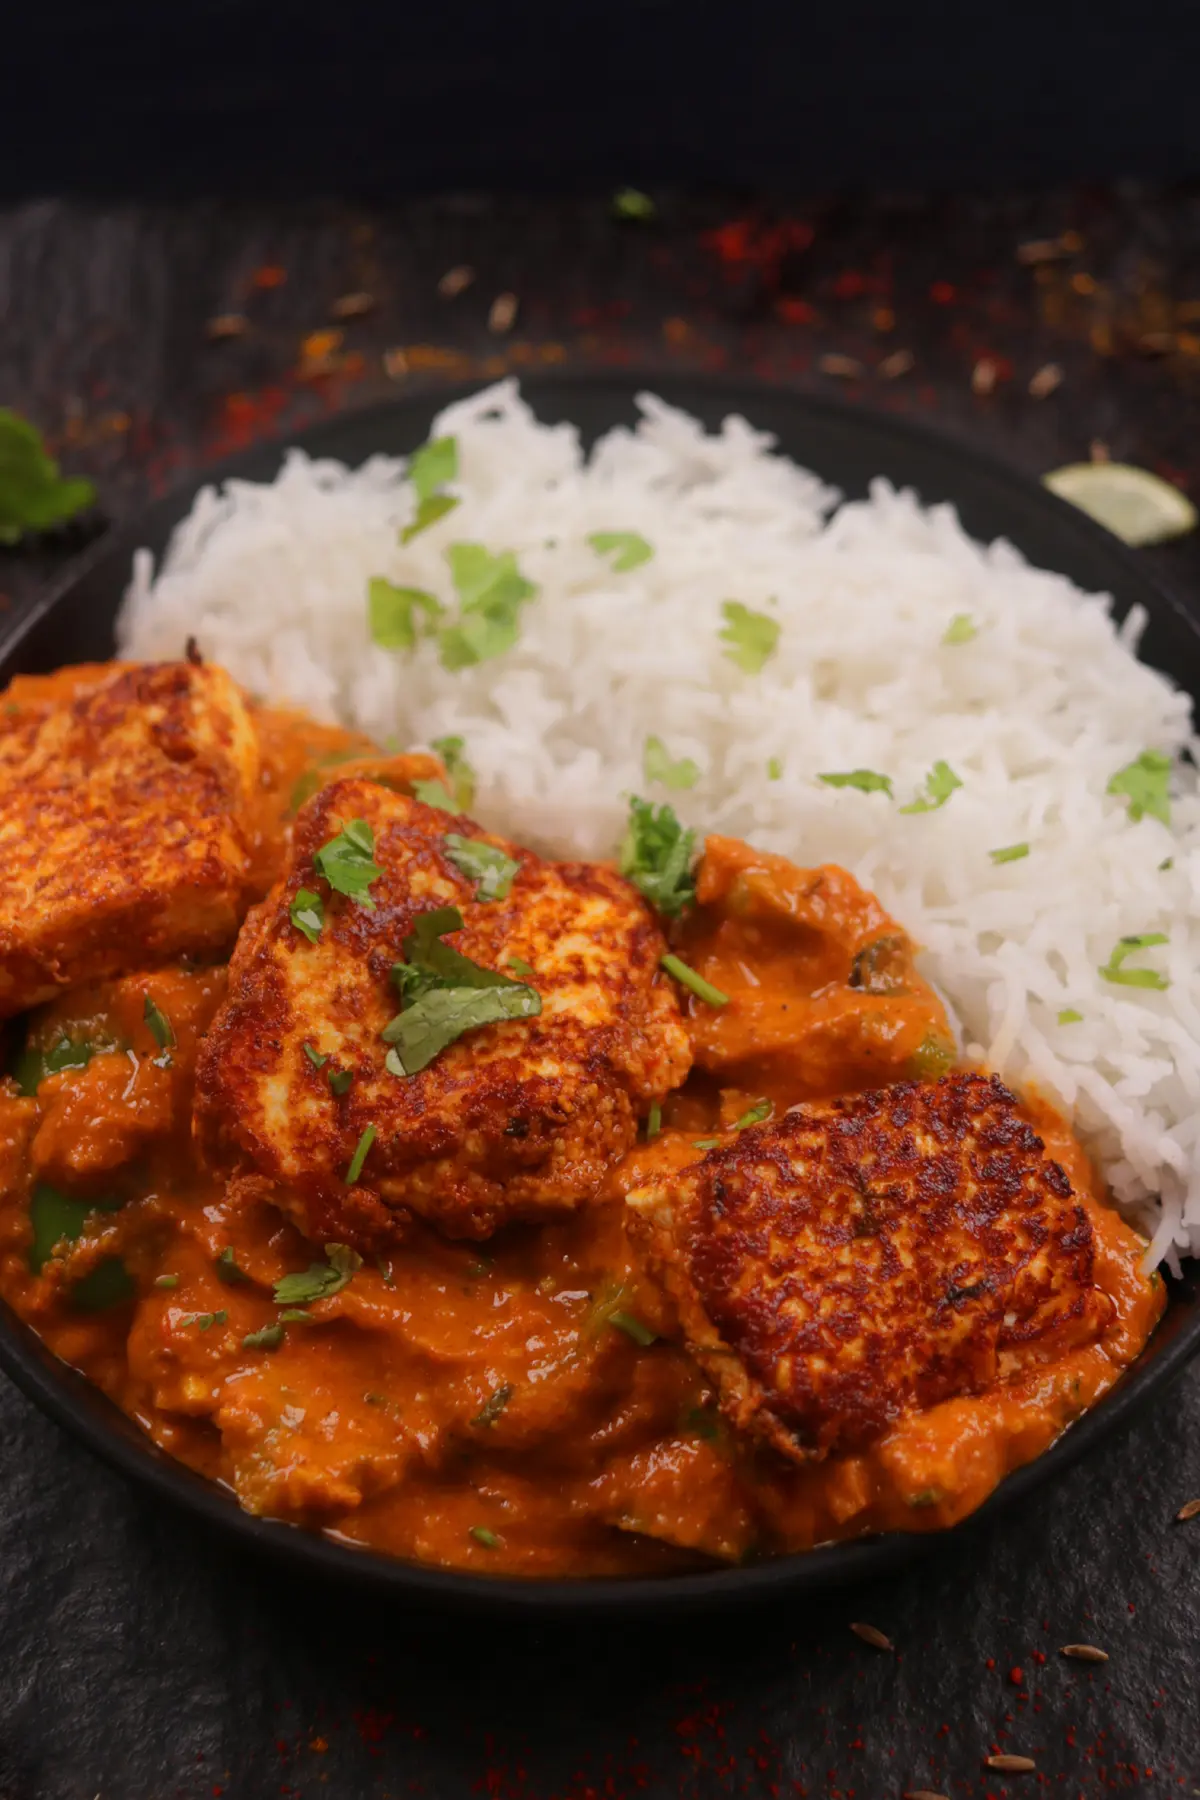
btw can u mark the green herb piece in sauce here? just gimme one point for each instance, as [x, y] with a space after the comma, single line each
[1145, 782]
[444, 994]
[653, 1122]
[1010, 853]
[399, 616]
[754, 1116]
[348, 863]
[433, 465]
[33, 495]
[452, 751]
[314, 1056]
[32, 1066]
[295, 1315]
[657, 766]
[865, 780]
[307, 784]
[703, 990]
[931, 1059]
[1068, 1016]
[228, 1270]
[961, 629]
[434, 793]
[705, 1143]
[59, 1218]
[491, 591]
[307, 913]
[519, 966]
[631, 203]
[340, 1081]
[361, 1149]
[268, 1337]
[657, 856]
[627, 549]
[483, 1536]
[633, 1327]
[320, 1280]
[940, 783]
[160, 1025]
[205, 1321]
[108, 1284]
[428, 513]
[166, 1281]
[749, 637]
[1115, 971]
[494, 1405]
[484, 864]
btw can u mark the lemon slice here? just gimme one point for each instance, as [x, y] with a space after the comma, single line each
[1137, 506]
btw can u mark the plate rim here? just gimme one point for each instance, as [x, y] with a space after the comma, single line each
[87, 1415]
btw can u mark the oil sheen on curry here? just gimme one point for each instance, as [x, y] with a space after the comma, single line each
[510, 1215]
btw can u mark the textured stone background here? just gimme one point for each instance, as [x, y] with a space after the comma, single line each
[143, 1659]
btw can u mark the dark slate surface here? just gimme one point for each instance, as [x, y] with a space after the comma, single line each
[144, 1659]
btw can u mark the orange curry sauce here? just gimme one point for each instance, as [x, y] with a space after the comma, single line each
[474, 1405]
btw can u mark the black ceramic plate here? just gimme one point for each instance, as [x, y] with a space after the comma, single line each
[847, 448]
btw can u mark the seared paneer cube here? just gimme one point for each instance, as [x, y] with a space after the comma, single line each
[124, 826]
[423, 1018]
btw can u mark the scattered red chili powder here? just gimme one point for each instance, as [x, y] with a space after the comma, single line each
[943, 293]
[1016, 1676]
[269, 276]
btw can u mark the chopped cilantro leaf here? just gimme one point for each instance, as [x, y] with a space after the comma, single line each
[494, 1405]
[204, 1320]
[491, 592]
[1068, 1016]
[340, 1081]
[166, 1281]
[483, 1536]
[294, 1315]
[227, 1268]
[705, 1143]
[58, 1218]
[428, 513]
[452, 752]
[749, 637]
[657, 856]
[360, 1155]
[482, 863]
[319, 1281]
[703, 990]
[269, 1337]
[657, 766]
[519, 966]
[347, 862]
[633, 1327]
[307, 913]
[940, 783]
[960, 630]
[1145, 781]
[1010, 853]
[445, 994]
[314, 1056]
[1113, 970]
[433, 465]
[435, 793]
[774, 768]
[33, 495]
[630, 549]
[631, 203]
[865, 780]
[395, 614]
[160, 1025]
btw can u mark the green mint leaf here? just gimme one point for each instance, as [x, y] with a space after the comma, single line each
[626, 548]
[433, 465]
[657, 766]
[482, 863]
[33, 495]
[865, 780]
[307, 913]
[160, 1025]
[749, 637]
[392, 614]
[347, 862]
[428, 512]
[688, 978]
[960, 630]
[940, 783]
[657, 855]
[1010, 853]
[1114, 970]
[1145, 781]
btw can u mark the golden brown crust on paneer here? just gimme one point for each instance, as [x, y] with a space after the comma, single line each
[123, 826]
[514, 1120]
[863, 1258]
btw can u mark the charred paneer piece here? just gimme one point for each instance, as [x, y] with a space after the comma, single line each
[514, 1119]
[864, 1258]
[124, 825]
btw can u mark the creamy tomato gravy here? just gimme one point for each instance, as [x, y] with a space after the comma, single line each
[476, 1406]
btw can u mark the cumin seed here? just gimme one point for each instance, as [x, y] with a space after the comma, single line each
[226, 325]
[846, 368]
[871, 1634]
[502, 314]
[1189, 1511]
[456, 281]
[1011, 1765]
[923, 1794]
[1044, 382]
[897, 364]
[1085, 1653]
[353, 306]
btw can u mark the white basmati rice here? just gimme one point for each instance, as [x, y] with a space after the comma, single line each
[1034, 714]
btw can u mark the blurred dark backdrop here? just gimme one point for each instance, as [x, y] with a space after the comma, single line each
[365, 98]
